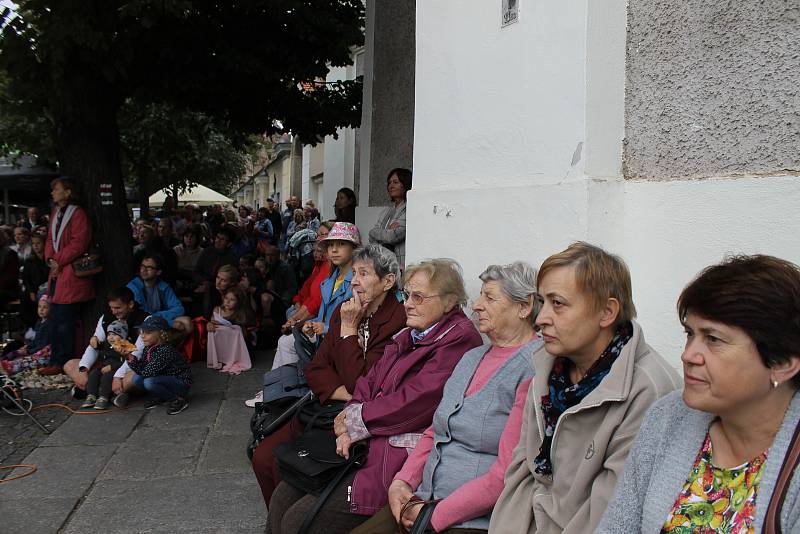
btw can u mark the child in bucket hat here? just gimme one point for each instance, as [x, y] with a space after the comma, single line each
[344, 231]
[161, 371]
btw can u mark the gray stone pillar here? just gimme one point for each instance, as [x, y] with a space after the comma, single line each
[386, 138]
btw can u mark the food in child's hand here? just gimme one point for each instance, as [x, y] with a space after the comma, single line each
[123, 346]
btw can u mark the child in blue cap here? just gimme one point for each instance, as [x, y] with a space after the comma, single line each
[162, 371]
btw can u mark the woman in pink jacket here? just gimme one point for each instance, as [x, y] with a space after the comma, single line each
[393, 404]
[68, 238]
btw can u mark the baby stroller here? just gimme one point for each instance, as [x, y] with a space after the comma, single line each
[300, 253]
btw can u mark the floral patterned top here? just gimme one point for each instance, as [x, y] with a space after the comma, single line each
[716, 500]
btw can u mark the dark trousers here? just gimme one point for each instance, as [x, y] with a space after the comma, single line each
[264, 465]
[99, 384]
[289, 506]
[63, 321]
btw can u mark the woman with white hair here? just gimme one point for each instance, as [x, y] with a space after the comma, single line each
[461, 458]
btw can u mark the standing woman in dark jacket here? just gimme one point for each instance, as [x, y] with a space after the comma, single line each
[68, 238]
[359, 330]
[393, 404]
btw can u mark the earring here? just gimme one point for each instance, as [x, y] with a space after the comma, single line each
[775, 384]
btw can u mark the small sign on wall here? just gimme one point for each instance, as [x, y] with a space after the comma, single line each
[510, 12]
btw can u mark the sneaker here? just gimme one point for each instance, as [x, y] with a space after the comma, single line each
[152, 403]
[251, 403]
[121, 400]
[177, 406]
[77, 393]
[102, 404]
[89, 402]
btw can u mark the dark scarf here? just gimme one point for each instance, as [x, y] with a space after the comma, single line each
[563, 394]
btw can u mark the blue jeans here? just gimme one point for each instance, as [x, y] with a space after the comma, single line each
[162, 387]
[63, 318]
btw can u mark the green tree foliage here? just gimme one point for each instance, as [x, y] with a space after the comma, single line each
[71, 65]
[166, 148]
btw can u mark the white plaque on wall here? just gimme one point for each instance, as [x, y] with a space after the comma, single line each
[510, 13]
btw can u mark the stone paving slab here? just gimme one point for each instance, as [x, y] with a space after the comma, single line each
[62, 472]
[42, 515]
[220, 503]
[233, 418]
[202, 411]
[153, 452]
[207, 380]
[101, 429]
[224, 453]
[245, 385]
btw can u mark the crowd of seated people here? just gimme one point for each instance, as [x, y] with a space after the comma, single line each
[541, 408]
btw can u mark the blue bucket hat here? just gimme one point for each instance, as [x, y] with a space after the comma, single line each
[153, 323]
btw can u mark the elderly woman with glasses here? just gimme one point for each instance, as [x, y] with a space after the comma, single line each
[392, 404]
[462, 457]
[595, 379]
[359, 331]
[707, 459]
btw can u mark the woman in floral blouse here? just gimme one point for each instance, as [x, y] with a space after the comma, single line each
[707, 459]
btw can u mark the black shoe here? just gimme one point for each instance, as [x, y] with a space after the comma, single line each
[152, 403]
[78, 393]
[121, 400]
[177, 406]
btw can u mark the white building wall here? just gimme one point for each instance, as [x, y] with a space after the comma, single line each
[517, 152]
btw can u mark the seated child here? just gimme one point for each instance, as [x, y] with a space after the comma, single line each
[37, 352]
[98, 385]
[162, 371]
[227, 349]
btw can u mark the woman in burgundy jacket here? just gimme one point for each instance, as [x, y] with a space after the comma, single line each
[393, 404]
[359, 331]
[68, 238]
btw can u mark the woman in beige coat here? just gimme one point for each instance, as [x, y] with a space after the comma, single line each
[595, 378]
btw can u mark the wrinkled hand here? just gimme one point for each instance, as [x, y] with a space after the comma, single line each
[399, 494]
[343, 443]
[394, 225]
[340, 424]
[352, 311]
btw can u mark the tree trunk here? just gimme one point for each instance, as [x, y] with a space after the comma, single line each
[88, 143]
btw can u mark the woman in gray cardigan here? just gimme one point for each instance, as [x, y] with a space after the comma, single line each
[707, 459]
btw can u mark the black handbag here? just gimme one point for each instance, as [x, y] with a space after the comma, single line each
[270, 416]
[310, 463]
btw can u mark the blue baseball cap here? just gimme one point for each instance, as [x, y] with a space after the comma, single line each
[153, 323]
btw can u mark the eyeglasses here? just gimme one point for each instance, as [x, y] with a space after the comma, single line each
[148, 267]
[416, 298]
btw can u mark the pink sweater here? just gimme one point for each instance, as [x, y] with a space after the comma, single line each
[477, 497]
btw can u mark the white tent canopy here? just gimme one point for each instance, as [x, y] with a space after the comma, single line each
[199, 194]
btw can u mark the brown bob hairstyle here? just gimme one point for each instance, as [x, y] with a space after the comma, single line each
[68, 184]
[599, 274]
[759, 294]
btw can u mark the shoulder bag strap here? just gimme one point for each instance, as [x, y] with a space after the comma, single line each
[772, 520]
[357, 457]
